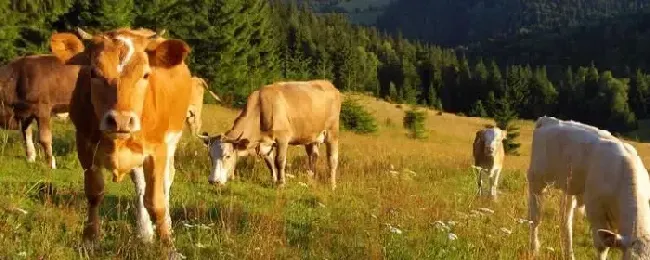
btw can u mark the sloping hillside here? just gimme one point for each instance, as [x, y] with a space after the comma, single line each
[396, 198]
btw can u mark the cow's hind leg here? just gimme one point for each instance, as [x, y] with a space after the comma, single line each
[145, 227]
[45, 138]
[281, 162]
[332, 145]
[312, 155]
[567, 205]
[26, 129]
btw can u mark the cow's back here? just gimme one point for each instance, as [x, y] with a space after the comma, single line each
[303, 108]
[38, 84]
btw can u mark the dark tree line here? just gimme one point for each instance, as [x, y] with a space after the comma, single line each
[460, 22]
[240, 45]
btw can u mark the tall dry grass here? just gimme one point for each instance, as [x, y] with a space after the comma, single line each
[397, 198]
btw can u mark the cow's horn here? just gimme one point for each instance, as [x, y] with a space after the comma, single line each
[205, 85]
[158, 34]
[84, 35]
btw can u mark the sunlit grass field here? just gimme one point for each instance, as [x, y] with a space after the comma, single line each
[393, 193]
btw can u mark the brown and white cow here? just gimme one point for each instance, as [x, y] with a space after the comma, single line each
[193, 118]
[488, 156]
[128, 109]
[276, 116]
[33, 88]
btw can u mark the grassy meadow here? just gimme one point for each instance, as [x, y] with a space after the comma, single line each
[393, 194]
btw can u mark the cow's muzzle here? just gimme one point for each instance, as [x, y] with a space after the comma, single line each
[120, 124]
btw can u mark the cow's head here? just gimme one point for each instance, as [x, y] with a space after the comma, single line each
[122, 64]
[632, 247]
[223, 156]
[489, 139]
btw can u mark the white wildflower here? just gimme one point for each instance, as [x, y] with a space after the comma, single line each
[395, 230]
[452, 236]
[21, 210]
[486, 210]
[505, 230]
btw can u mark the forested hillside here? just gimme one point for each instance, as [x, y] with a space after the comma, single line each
[460, 22]
[240, 45]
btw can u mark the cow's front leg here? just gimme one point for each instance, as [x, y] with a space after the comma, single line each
[94, 190]
[154, 197]
[494, 182]
[145, 228]
[281, 162]
[479, 181]
[268, 159]
[567, 205]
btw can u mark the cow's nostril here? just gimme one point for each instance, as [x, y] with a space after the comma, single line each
[111, 123]
[132, 122]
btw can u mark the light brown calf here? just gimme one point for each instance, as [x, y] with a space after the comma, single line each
[488, 156]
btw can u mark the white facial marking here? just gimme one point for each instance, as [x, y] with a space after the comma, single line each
[129, 54]
[221, 154]
[491, 137]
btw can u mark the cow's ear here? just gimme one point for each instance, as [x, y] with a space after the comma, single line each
[609, 238]
[167, 53]
[479, 133]
[68, 48]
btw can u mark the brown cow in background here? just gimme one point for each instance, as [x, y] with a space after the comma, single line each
[33, 88]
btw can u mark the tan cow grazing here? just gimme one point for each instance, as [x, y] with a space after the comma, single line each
[488, 156]
[33, 88]
[193, 117]
[559, 157]
[128, 109]
[276, 116]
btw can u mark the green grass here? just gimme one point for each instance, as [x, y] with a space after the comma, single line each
[430, 181]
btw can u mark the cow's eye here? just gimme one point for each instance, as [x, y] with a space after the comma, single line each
[146, 75]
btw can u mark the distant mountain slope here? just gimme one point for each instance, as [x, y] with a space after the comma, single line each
[358, 11]
[459, 22]
[620, 43]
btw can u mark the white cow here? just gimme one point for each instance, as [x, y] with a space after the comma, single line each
[617, 191]
[559, 157]
[488, 155]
